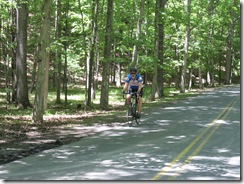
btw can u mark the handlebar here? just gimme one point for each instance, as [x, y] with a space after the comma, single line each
[131, 93]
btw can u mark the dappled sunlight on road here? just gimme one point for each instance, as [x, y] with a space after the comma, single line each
[195, 139]
[225, 166]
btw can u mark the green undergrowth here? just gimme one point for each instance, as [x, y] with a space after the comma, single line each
[75, 106]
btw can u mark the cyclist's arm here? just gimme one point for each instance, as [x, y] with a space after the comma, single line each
[125, 86]
[139, 87]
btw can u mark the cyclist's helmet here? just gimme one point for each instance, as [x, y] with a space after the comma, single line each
[133, 70]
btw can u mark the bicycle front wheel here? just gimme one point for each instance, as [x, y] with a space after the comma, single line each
[129, 114]
[134, 114]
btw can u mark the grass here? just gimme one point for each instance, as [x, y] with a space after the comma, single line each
[76, 96]
[14, 123]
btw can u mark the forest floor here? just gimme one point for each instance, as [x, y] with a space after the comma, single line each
[25, 138]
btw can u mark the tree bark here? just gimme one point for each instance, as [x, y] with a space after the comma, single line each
[43, 65]
[104, 99]
[160, 87]
[155, 68]
[66, 44]
[187, 39]
[58, 62]
[229, 49]
[157, 84]
[92, 52]
[138, 33]
[21, 55]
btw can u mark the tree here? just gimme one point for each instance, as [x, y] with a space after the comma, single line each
[155, 68]
[92, 51]
[213, 52]
[186, 44]
[58, 67]
[107, 57]
[161, 22]
[21, 64]
[43, 65]
[157, 85]
[229, 44]
[66, 45]
[138, 32]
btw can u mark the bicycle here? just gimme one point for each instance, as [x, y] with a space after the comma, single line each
[132, 109]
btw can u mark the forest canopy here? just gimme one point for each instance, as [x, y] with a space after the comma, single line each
[93, 43]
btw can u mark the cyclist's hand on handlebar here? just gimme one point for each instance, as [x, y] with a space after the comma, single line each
[138, 94]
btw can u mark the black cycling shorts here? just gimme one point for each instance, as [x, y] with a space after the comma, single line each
[135, 90]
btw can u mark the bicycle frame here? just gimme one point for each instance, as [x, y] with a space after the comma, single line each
[132, 110]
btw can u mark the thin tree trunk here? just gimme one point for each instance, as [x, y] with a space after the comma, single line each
[96, 71]
[58, 66]
[138, 33]
[200, 75]
[86, 53]
[92, 52]
[229, 49]
[118, 75]
[13, 52]
[187, 39]
[66, 43]
[160, 74]
[155, 68]
[190, 80]
[33, 73]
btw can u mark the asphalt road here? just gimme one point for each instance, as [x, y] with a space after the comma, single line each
[193, 139]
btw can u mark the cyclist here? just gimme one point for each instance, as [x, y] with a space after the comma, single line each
[133, 83]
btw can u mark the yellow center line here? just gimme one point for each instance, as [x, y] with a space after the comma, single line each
[188, 148]
[199, 148]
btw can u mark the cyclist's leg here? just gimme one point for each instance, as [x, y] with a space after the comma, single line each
[128, 97]
[140, 101]
[139, 104]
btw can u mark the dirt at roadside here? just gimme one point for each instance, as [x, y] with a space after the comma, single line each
[25, 139]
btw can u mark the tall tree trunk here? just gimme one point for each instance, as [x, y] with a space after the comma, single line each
[190, 79]
[95, 85]
[155, 68]
[200, 76]
[157, 84]
[66, 44]
[86, 53]
[33, 73]
[13, 52]
[187, 39]
[229, 49]
[160, 74]
[210, 56]
[21, 64]
[104, 99]
[43, 64]
[138, 33]
[58, 62]
[7, 53]
[118, 75]
[92, 51]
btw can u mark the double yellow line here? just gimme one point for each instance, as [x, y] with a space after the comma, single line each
[222, 115]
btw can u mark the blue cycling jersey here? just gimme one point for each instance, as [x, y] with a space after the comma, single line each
[133, 84]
